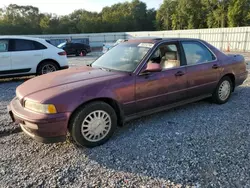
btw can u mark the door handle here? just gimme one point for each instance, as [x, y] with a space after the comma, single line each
[215, 66]
[179, 73]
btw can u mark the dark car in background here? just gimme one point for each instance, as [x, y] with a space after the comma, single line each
[75, 48]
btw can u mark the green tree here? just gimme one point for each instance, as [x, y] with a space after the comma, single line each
[238, 12]
[164, 15]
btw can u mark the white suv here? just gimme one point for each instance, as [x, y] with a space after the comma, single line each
[21, 56]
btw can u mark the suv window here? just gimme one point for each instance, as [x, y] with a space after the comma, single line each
[167, 55]
[39, 46]
[4, 45]
[196, 53]
[27, 45]
[23, 45]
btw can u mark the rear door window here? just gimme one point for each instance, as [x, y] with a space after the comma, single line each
[4, 45]
[196, 53]
[23, 45]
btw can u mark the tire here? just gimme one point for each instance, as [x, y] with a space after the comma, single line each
[77, 53]
[218, 96]
[84, 53]
[41, 67]
[79, 124]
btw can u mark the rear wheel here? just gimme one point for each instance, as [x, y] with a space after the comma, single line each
[84, 53]
[223, 90]
[47, 67]
[93, 124]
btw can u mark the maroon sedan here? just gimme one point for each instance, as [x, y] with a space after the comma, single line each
[135, 78]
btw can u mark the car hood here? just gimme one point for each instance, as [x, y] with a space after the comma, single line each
[59, 78]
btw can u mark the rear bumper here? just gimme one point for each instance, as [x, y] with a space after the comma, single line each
[241, 78]
[89, 50]
[40, 127]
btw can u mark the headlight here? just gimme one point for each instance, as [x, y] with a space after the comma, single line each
[41, 108]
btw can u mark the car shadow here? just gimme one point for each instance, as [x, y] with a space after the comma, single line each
[184, 145]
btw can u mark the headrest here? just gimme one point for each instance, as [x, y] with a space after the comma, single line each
[171, 55]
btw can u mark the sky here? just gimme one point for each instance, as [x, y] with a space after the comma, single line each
[63, 7]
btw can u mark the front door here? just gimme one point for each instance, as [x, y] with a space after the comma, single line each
[5, 59]
[157, 89]
[202, 69]
[69, 48]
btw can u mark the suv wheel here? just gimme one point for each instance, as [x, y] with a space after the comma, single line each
[84, 53]
[47, 67]
[93, 124]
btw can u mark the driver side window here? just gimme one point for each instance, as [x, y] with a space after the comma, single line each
[167, 55]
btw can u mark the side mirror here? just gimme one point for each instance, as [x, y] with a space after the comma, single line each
[153, 67]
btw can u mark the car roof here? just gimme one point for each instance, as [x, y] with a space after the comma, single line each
[158, 39]
[20, 37]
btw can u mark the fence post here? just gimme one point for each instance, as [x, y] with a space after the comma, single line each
[179, 35]
[115, 37]
[199, 35]
[245, 42]
[104, 38]
[222, 41]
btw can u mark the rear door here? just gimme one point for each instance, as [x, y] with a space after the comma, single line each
[26, 55]
[202, 68]
[5, 59]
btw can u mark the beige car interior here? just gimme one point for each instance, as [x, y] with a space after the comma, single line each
[170, 59]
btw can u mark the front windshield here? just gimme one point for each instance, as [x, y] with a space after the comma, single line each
[123, 57]
[61, 45]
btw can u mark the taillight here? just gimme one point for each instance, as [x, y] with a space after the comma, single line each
[62, 53]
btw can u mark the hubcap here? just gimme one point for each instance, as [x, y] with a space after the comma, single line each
[224, 90]
[96, 126]
[48, 68]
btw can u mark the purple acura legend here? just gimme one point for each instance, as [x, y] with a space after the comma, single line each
[135, 78]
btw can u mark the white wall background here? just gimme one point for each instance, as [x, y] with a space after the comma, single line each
[237, 39]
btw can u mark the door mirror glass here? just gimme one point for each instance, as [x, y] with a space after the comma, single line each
[153, 67]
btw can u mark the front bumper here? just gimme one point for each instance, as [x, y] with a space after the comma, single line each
[64, 67]
[41, 127]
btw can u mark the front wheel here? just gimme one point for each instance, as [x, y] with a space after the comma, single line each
[93, 124]
[223, 90]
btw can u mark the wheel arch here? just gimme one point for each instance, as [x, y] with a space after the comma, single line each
[232, 77]
[113, 103]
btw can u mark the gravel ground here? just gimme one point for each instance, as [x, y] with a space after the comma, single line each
[200, 145]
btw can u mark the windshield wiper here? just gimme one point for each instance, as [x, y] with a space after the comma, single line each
[109, 70]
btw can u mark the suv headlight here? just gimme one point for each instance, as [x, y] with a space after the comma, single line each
[41, 108]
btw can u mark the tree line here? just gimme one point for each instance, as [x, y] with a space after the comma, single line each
[128, 16]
